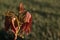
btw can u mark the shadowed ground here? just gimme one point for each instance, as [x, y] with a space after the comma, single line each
[7, 36]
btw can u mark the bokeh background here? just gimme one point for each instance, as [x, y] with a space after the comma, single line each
[45, 13]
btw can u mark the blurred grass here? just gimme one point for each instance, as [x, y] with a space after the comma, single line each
[45, 13]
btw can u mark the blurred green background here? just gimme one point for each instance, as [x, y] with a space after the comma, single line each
[45, 13]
